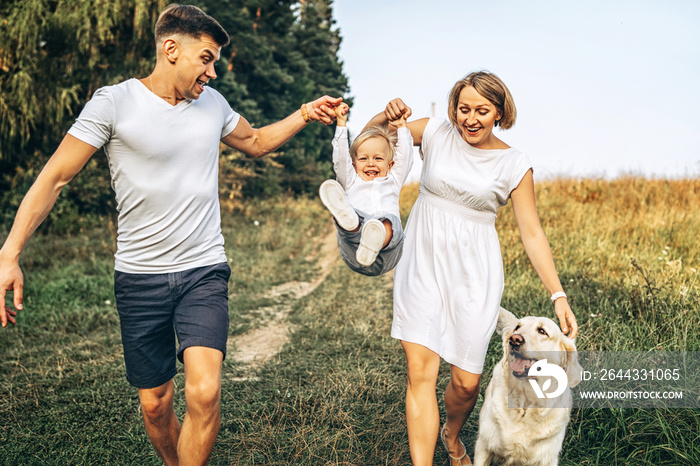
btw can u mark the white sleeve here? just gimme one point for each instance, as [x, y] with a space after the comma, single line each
[430, 129]
[342, 163]
[403, 159]
[521, 166]
[230, 117]
[95, 123]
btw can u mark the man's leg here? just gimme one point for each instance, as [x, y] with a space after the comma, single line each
[202, 394]
[162, 425]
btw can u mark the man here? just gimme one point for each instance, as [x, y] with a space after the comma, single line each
[161, 136]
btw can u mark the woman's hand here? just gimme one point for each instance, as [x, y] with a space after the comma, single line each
[397, 109]
[567, 319]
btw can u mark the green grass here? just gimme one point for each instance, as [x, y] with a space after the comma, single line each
[626, 252]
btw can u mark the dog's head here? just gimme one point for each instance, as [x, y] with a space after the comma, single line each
[530, 339]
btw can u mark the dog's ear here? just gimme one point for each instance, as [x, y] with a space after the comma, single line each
[571, 366]
[506, 321]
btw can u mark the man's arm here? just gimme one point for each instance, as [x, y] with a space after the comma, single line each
[70, 157]
[258, 142]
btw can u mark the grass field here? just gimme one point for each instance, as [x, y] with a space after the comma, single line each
[627, 253]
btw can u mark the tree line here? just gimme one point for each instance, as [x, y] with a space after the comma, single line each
[55, 53]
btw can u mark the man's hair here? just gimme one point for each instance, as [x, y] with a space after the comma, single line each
[190, 21]
[374, 132]
[492, 89]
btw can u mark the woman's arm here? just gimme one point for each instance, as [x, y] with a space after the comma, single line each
[538, 250]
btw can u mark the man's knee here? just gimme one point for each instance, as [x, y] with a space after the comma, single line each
[202, 379]
[203, 396]
[157, 403]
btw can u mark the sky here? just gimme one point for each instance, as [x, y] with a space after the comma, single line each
[603, 88]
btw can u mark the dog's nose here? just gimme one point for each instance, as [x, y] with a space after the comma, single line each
[516, 339]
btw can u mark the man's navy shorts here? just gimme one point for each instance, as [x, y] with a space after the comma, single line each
[153, 308]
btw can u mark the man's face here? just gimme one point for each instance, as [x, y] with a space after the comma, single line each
[194, 66]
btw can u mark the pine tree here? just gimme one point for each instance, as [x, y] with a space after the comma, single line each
[282, 53]
[55, 53]
[53, 56]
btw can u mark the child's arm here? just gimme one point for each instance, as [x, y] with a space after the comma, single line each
[342, 163]
[403, 159]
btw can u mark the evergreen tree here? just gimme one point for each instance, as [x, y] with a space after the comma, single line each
[282, 53]
[54, 54]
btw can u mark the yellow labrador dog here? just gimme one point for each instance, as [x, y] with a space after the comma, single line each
[528, 401]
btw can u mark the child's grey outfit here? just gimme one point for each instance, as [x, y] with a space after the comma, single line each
[378, 198]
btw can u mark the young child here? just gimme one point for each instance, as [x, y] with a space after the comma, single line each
[365, 198]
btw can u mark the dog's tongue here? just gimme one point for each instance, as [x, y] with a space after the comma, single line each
[520, 365]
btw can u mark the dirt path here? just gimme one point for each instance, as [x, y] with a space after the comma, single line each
[260, 344]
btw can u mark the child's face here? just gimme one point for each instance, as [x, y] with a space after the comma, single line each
[371, 160]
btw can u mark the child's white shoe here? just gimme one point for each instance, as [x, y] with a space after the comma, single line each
[371, 242]
[336, 201]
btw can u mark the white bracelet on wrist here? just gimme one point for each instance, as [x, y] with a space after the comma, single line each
[557, 295]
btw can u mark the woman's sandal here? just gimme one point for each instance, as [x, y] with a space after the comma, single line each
[452, 458]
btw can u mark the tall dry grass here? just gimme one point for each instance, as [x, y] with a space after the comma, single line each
[626, 251]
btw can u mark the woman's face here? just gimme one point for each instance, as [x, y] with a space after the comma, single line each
[476, 117]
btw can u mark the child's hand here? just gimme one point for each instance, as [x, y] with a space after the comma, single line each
[398, 122]
[341, 113]
[397, 113]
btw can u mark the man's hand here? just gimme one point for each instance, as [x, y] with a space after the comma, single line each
[11, 279]
[323, 109]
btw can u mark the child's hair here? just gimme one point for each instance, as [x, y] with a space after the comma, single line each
[374, 132]
[493, 89]
[190, 21]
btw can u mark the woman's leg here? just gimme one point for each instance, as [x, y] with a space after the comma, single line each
[422, 415]
[460, 397]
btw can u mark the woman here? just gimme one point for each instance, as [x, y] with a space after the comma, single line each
[448, 285]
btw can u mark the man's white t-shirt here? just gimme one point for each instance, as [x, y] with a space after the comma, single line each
[164, 164]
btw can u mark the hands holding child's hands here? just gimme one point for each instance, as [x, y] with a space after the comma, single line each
[399, 122]
[397, 112]
[341, 113]
[323, 109]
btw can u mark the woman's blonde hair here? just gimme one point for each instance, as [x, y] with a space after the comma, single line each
[374, 132]
[492, 89]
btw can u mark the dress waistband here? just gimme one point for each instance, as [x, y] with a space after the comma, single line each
[457, 209]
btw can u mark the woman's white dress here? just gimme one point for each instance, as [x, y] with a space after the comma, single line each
[449, 282]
